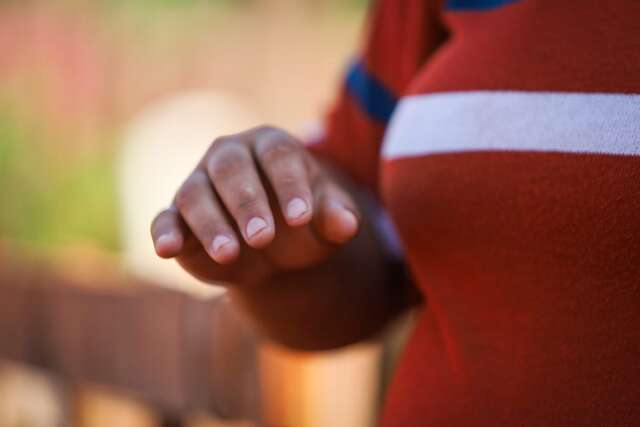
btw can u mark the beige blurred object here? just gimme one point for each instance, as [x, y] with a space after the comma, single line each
[337, 389]
[96, 407]
[28, 398]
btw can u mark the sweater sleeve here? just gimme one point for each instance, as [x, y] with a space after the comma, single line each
[400, 36]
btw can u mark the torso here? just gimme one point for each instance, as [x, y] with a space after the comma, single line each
[512, 171]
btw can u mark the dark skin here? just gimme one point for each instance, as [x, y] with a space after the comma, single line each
[288, 237]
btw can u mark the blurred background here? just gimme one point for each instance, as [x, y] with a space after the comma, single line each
[75, 74]
[105, 105]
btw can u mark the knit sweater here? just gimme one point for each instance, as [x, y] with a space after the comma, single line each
[503, 137]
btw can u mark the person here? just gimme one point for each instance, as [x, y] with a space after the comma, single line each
[502, 137]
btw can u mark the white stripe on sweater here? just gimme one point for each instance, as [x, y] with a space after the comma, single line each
[514, 121]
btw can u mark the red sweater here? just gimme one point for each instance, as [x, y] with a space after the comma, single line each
[504, 138]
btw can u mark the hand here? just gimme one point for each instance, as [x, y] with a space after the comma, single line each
[256, 204]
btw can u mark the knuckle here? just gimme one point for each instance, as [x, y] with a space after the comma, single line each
[289, 171]
[268, 132]
[290, 184]
[189, 190]
[221, 144]
[227, 159]
[215, 147]
[247, 198]
[227, 162]
[278, 151]
[220, 141]
[182, 199]
[269, 129]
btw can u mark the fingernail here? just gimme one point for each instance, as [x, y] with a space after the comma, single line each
[166, 244]
[255, 226]
[219, 242]
[349, 219]
[165, 240]
[296, 208]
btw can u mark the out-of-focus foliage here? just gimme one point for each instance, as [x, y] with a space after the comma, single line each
[49, 202]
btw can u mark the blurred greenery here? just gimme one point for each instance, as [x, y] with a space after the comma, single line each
[43, 207]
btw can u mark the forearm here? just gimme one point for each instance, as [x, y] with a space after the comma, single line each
[288, 235]
[348, 298]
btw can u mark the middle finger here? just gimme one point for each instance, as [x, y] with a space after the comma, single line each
[233, 173]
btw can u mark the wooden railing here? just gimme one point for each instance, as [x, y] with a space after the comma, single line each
[168, 349]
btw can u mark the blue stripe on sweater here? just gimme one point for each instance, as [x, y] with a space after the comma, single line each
[370, 93]
[462, 5]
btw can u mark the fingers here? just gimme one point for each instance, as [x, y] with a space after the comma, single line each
[284, 162]
[233, 172]
[338, 219]
[168, 233]
[227, 187]
[198, 205]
